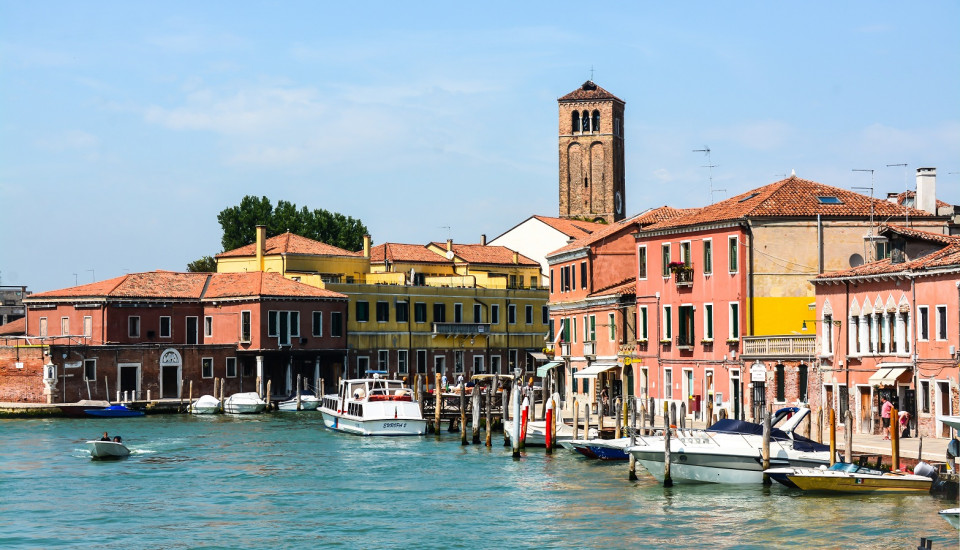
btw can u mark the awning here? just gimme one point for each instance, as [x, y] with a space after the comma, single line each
[542, 369]
[593, 370]
[886, 376]
[538, 355]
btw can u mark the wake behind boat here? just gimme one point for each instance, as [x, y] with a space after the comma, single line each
[373, 406]
[105, 450]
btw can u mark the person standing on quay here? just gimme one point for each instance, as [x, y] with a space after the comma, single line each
[885, 409]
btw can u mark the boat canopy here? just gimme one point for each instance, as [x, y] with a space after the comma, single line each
[542, 369]
[593, 370]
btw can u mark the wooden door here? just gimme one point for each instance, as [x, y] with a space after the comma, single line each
[944, 396]
[865, 414]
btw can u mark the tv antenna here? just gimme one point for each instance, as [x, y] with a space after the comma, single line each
[711, 166]
[870, 230]
[906, 209]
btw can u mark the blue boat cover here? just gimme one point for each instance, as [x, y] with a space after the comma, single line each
[800, 443]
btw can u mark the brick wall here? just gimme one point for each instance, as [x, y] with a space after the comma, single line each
[21, 384]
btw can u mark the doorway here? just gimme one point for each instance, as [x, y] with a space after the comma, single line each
[129, 375]
[943, 405]
[169, 382]
[866, 417]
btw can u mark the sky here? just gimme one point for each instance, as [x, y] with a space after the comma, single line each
[126, 127]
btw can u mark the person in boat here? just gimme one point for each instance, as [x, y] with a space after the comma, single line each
[117, 439]
[885, 410]
[105, 437]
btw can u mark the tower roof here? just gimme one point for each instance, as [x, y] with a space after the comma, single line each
[587, 91]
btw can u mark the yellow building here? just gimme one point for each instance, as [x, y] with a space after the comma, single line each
[438, 308]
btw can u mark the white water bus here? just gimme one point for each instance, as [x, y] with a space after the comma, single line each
[373, 406]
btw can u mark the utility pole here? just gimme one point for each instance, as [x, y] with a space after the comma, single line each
[873, 247]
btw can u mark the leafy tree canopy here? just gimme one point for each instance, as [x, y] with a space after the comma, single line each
[205, 264]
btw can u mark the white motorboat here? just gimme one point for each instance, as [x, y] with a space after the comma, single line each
[730, 451]
[373, 406]
[244, 403]
[308, 402]
[537, 433]
[207, 404]
[844, 477]
[952, 516]
[104, 450]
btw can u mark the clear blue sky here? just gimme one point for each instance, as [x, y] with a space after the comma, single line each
[126, 127]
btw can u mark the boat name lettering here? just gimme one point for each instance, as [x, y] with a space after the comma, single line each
[394, 424]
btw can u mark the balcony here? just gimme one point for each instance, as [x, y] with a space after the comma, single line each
[683, 276]
[779, 346]
[589, 348]
[461, 329]
[565, 349]
[684, 342]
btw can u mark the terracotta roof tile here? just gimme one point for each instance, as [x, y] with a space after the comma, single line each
[256, 284]
[790, 197]
[407, 253]
[571, 228]
[903, 196]
[587, 91]
[625, 287]
[14, 328]
[948, 256]
[919, 234]
[644, 219]
[290, 243]
[487, 254]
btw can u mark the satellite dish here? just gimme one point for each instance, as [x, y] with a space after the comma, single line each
[449, 254]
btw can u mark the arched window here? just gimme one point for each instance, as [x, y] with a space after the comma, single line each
[585, 122]
[616, 126]
[575, 122]
[781, 383]
[596, 121]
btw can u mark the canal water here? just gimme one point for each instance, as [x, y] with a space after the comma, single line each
[284, 481]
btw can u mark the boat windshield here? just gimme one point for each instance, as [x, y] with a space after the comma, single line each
[844, 467]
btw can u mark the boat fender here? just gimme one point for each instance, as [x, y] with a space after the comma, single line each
[925, 470]
[953, 448]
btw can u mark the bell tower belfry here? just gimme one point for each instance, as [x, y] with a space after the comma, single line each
[591, 154]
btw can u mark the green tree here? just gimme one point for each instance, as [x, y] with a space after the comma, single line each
[205, 264]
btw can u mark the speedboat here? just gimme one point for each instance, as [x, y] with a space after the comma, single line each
[537, 433]
[113, 411]
[308, 402]
[244, 403]
[603, 449]
[952, 516]
[844, 477]
[730, 451]
[207, 404]
[373, 406]
[105, 450]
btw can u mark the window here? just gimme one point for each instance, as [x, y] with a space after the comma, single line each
[403, 312]
[802, 383]
[734, 321]
[565, 330]
[295, 324]
[668, 383]
[612, 325]
[685, 335]
[512, 354]
[590, 327]
[665, 260]
[642, 262]
[573, 277]
[402, 367]
[829, 200]
[133, 326]
[383, 360]
[336, 324]
[924, 396]
[458, 361]
[246, 369]
[780, 378]
[533, 282]
[363, 365]
[732, 254]
[903, 331]
[583, 275]
[573, 331]
[707, 256]
[883, 250]
[64, 326]
[420, 312]
[575, 121]
[245, 325]
[165, 325]
[90, 369]
[642, 324]
[439, 313]
[494, 364]
[192, 330]
[585, 122]
[43, 326]
[495, 314]
[685, 253]
[596, 121]
[544, 314]
[422, 361]
[667, 323]
[528, 314]
[272, 324]
[551, 281]
[923, 323]
[383, 312]
[477, 313]
[87, 326]
[317, 324]
[284, 334]
[708, 321]
[206, 367]
[363, 311]
[550, 333]
[941, 322]
[457, 313]
[512, 314]
[231, 367]
[207, 326]
[477, 364]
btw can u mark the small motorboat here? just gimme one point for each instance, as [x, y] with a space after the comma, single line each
[603, 449]
[105, 450]
[207, 404]
[952, 516]
[308, 402]
[244, 403]
[113, 411]
[844, 477]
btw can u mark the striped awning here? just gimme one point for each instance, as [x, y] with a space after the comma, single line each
[593, 370]
[887, 376]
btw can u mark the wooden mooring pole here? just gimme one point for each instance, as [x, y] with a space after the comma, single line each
[894, 440]
[586, 420]
[506, 404]
[766, 443]
[848, 436]
[475, 411]
[547, 426]
[667, 479]
[490, 390]
[576, 419]
[269, 393]
[515, 405]
[632, 433]
[833, 438]
[437, 405]
[463, 414]
[190, 398]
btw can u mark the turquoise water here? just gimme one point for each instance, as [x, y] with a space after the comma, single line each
[283, 481]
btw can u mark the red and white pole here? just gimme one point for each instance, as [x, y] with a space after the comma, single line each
[548, 432]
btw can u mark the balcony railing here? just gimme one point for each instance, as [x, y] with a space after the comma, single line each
[779, 346]
[684, 341]
[683, 277]
[565, 349]
[589, 348]
[461, 328]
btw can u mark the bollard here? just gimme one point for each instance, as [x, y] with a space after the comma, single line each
[515, 440]
[833, 438]
[269, 393]
[524, 420]
[894, 440]
[766, 443]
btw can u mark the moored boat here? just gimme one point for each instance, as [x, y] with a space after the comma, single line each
[537, 433]
[308, 402]
[373, 406]
[113, 411]
[207, 404]
[244, 403]
[844, 477]
[952, 516]
[104, 450]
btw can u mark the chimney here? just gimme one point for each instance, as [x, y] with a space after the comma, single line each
[926, 190]
[261, 245]
[449, 245]
[366, 246]
[516, 257]
[483, 240]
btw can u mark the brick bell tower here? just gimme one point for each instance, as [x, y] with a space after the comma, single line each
[591, 154]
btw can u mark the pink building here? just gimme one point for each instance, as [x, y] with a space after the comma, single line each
[890, 328]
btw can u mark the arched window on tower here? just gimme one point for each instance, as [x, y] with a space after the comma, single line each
[596, 121]
[585, 122]
[575, 122]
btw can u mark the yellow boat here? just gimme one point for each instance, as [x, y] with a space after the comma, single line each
[850, 478]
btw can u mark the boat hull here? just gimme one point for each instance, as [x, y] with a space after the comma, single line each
[306, 404]
[207, 404]
[107, 450]
[887, 483]
[952, 516]
[244, 403]
[113, 411]
[373, 426]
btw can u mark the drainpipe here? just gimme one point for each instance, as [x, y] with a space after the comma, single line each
[819, 245]
[750, 280]
[913, 349]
